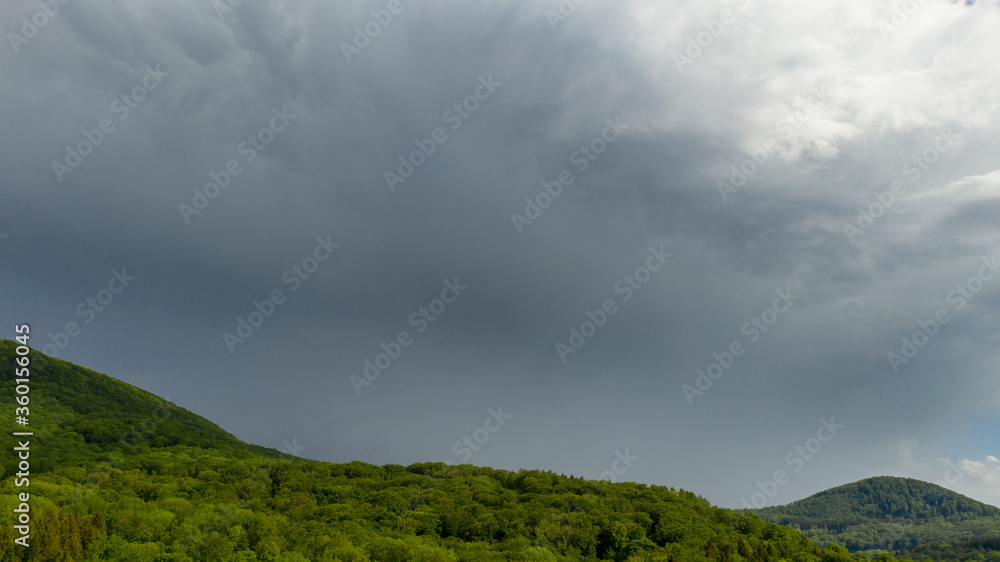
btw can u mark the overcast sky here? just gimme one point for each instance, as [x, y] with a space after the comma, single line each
[551, 220]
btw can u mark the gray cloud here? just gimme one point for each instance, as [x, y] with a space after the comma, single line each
[323, 175]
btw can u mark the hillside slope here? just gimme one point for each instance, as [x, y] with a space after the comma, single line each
[119, 474]
[82, 415]
[887, 513]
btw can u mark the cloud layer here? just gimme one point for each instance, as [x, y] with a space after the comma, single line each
[311, 178]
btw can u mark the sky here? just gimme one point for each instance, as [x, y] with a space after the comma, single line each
[745, 248]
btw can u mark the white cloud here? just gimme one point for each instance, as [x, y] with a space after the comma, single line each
[977, 479]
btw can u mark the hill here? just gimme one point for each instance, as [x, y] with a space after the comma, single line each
[83, 416]
[887, 513]
[119, 474]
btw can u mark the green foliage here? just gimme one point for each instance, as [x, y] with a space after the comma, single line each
[978, 550]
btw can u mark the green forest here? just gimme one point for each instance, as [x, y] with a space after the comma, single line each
[976, 550]
[119, 474]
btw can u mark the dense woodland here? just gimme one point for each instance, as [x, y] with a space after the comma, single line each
[987, 550]
[120, 474]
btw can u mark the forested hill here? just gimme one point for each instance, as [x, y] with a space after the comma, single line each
[888, 513]
[82, 415]
[118, 474]
[883, 498]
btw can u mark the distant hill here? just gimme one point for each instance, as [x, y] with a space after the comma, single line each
[118, 474]
[887, 513]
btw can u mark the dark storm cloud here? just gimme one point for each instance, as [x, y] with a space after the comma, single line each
[272, 80]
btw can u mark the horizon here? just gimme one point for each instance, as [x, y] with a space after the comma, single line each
[291, 449]
[737, 247]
